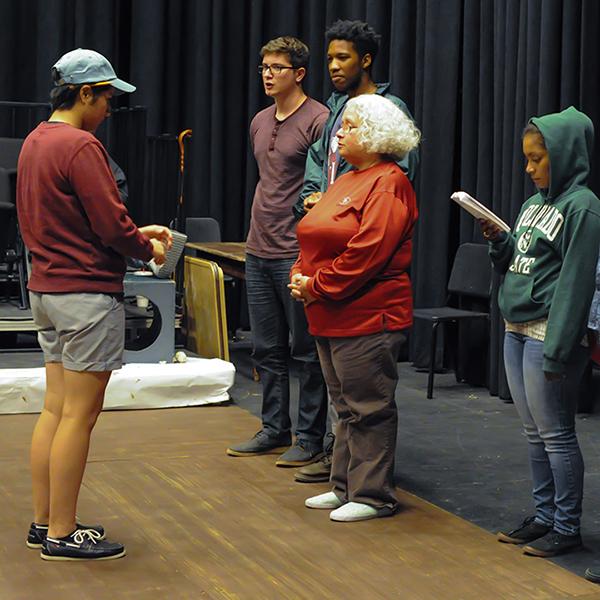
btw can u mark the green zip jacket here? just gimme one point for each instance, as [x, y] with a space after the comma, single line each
[315, 173]
[549, 259]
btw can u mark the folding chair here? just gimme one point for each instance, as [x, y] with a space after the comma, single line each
[471, 276]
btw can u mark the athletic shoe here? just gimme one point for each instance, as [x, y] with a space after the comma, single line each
[593, 574]
[37, 533]
[261, 443]
[354, 511]
[553, 544]
[327, 500]
[299, 455]
[526, 532]
[82, 544]
[320, 471]
[317, 472]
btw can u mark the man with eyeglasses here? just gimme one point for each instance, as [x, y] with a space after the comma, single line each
[281, 136]
[352, 47]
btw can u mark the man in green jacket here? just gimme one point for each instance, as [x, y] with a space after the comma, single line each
[352, 47]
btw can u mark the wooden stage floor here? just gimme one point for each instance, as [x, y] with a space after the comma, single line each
[201, 525]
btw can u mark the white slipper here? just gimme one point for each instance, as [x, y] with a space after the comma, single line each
[353, 511]
[327, 500]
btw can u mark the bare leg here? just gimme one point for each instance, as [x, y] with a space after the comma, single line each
[41, 441]
[83, 399]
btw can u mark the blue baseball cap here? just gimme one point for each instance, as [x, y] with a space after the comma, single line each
[88, 66]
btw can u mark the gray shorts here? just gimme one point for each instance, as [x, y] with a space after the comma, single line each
[84, 331]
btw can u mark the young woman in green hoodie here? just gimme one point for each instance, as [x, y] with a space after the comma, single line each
[548, 262]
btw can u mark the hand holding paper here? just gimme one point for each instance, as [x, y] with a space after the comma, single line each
[479, 211]
[490, 230]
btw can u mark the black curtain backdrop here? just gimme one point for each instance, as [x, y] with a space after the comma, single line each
[472, 71]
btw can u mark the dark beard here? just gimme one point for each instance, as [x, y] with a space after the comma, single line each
[351, 84]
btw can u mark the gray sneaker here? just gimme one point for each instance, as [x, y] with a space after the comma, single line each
[261, 443]
[298, 455]
[529, 531]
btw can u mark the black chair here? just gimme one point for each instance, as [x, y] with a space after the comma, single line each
[198, 229]
[9, 152]
[9, 156]
[13, 266]
[12, 253]
[471, 276]
[202, 229]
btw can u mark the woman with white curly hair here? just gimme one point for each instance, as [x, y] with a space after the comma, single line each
[351, 274]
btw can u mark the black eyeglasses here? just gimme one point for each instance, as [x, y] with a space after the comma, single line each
[275, 69]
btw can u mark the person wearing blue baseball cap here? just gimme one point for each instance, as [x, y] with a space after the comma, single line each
[88, 66]
[78, 232]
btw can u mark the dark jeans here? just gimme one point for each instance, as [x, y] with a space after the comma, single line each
[280, 330]
[361, 374]
[547, 410]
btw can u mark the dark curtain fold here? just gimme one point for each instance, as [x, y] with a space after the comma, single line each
[472, 72]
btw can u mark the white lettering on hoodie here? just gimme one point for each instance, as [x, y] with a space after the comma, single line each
[543, 217]
[546, 219]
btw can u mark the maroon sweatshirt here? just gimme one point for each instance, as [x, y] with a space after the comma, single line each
[70, 214]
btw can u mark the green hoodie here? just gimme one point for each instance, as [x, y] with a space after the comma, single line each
[315, 174]
[550, 257]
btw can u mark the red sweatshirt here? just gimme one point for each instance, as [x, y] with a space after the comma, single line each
[356, 246]
[70, 214]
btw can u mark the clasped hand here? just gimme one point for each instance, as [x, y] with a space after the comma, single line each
[161, 239]
[311, 200]
[299, 289]
[550, 376]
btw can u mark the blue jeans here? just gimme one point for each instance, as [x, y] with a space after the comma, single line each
[547, 410]
[280, 330]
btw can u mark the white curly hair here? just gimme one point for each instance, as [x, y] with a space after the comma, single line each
[383, 128]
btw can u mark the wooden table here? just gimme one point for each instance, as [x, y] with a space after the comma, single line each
[230, 256]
